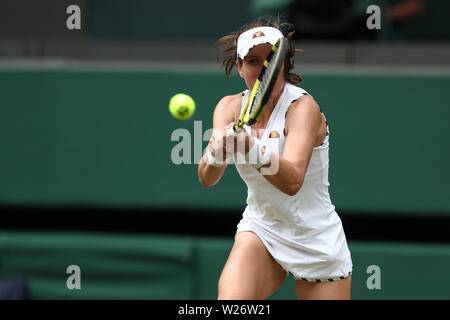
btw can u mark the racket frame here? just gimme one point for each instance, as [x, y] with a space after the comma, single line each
[251, 113]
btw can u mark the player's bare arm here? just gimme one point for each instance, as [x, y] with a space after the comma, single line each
[226, 112]
[303, 124]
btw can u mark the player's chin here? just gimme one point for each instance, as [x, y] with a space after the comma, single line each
[250, 84]
[250, 81]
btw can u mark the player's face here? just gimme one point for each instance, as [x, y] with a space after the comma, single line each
[252, 64]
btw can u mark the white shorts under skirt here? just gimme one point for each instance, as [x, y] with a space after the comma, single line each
[311, 261]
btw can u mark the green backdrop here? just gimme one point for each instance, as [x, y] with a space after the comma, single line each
[166, 21]
[103, 138]
[131, 266]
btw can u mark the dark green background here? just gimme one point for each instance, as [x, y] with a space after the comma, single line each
[128, 266]
[168, 21]
[202, 20]
[103, 138]
[94, 137]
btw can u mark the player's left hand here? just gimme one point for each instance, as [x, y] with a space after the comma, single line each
[240, 140]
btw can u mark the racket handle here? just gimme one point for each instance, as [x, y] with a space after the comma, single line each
[237, 129]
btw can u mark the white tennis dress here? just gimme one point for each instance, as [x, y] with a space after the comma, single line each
[303, 233]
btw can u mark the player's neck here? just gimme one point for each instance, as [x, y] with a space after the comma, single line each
[274, 100]
[271, 105]
[265, 117]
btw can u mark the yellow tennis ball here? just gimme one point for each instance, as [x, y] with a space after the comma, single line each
[182, 106]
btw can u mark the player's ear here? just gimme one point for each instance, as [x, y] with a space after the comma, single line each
[239, 67]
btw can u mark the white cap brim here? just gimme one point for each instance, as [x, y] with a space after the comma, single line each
[256, 36]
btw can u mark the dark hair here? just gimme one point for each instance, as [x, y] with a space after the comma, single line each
[229, 47]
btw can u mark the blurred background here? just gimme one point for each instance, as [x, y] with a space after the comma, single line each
[86, 143]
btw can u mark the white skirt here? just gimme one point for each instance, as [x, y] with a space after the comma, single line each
[322, 258]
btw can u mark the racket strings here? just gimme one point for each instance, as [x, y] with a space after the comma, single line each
[262, 87]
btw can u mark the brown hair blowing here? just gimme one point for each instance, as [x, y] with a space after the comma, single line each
[228, 46]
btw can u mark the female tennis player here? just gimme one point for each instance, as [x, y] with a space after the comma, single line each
[289, 225]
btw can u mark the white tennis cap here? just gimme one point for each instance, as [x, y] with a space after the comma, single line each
[255, 36]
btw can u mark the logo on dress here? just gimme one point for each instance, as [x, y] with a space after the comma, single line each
[263, 150]
[274, 134]
[258, 34]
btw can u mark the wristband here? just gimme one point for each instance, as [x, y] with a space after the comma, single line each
[258, 155]
[213, 160]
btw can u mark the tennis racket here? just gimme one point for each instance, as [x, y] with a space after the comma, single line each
[263, 87]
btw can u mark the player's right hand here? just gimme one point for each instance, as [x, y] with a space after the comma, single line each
[222, 144]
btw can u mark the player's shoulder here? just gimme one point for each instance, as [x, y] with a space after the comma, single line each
[305, 105]
[232, 99]
[230, 104]
[295, 91]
